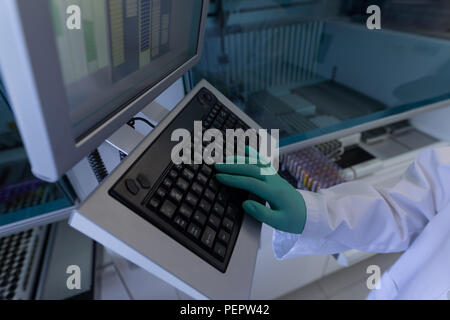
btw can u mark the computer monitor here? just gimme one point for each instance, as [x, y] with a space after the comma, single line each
[71, 88]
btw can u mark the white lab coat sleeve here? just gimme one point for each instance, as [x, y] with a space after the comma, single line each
[355, 215]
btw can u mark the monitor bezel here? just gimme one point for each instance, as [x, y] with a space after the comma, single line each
[32, 75]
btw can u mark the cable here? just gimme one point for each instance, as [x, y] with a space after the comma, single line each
[131, 123]
[97, 165]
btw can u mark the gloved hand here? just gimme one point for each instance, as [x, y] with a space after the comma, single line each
[287, 208]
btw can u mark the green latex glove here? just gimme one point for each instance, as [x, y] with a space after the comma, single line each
[287, 210]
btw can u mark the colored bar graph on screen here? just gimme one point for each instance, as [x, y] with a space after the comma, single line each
[156, 27]
[164, 29]
[131, 8]
[71, 45]
[87, 34]
[144, 23]
[165, 25]
[89, 40]
[101, 33]
[124, 34]
[160, 27]
[116, 32]
[81, 52]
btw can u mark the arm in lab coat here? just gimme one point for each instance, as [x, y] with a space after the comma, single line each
[355, 215]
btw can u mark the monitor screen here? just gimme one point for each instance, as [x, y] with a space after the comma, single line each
[123, 48]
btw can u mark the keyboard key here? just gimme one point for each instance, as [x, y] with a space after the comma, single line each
[186, 211]
[173, 174]
[222, 197]
[167, 183]
[194, 230]
[168, 209]
[176, 195]
[214, 221]
[182, 184]
[131, 186]
[178, 168]
[228, 224]
[206, 170]
[207, 97]
[153, 203]
[197, 188]
[202, 179]
[220, 120]
[223, 113]
[214, 185]
[218, 209]
[208, 237]
[209, 195]
[161, 192]
[223, 236]
[205, 205]
[191, 199]
[220, 250]
[199, 217]
[216, 124]
[233, 119]
[194, 167]
[188, 174]
[143, 181]
[229, 124]
[231, 212]
[180, 222]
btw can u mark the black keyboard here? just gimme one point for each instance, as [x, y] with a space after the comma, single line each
[186, 201]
